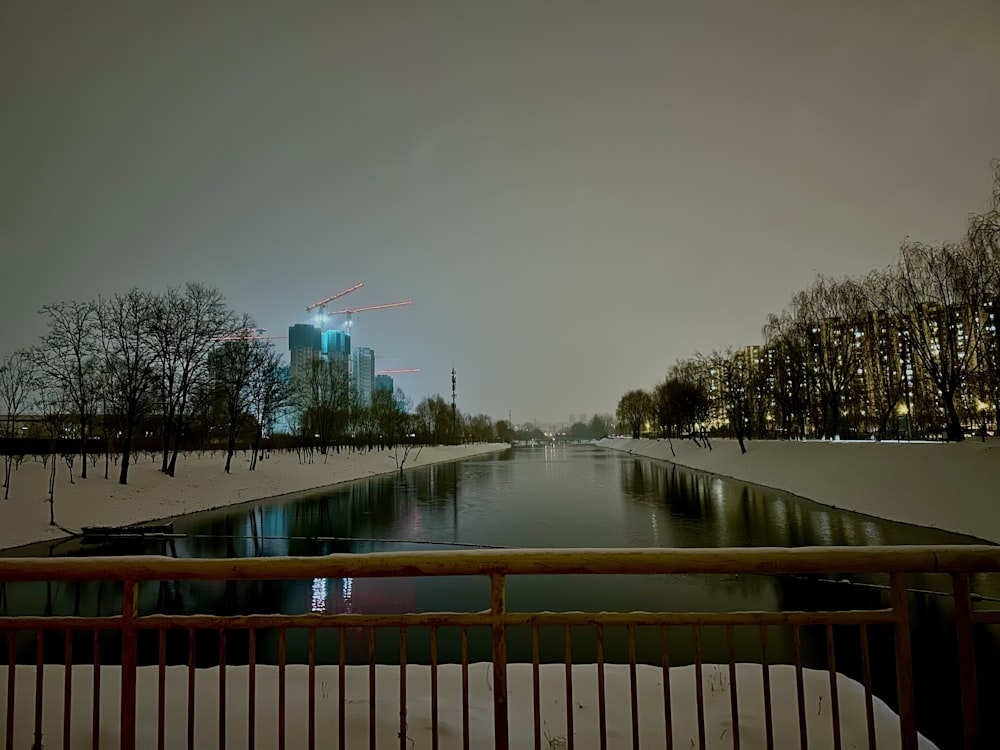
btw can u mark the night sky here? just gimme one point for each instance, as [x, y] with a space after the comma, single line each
[573, 194]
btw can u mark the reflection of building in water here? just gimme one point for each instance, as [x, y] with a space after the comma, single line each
[371, 596]
[318, 595]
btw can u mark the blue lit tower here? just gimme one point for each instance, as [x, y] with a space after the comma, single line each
[336, 347]
[304, 347]
[363, 374]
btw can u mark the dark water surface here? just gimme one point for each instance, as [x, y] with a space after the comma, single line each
[557, 496]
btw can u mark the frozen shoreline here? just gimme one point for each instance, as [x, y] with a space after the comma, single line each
[945, 486]
[586, 731]
[200, 484]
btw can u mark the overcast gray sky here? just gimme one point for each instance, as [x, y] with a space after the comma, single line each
[573, 194]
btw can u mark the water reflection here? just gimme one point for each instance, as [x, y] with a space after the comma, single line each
[731, 513]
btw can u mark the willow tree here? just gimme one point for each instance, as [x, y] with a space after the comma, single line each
[822, 324]
[936, 294]
[634, 408]
[983, 239]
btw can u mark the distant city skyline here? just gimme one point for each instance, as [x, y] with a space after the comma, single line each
[574, 195]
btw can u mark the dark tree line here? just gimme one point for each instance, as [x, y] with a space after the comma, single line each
[139, 359]
[911, 348]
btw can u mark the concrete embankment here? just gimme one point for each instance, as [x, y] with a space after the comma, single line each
[953, 486]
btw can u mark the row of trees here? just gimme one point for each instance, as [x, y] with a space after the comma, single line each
[917, 340]
[328, 412]
[121, 364]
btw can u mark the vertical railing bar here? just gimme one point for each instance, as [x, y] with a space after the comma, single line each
[11, 672]
[39, 679]
[341, 686]
[866, 672]
[252, 691]
[733, 697]
[465, 687]
[130, 605]
[434, 687]
[161, 690]
[966, 657]
[699, 688]
[831, 662]
[536, 698]
[222, 689]
[68, 689]
[402, 688]
[371, 688]
[311, 688]
[192, 654]
[498, 610]
[282, 658]
[601, 707]
[766, 677]
[96, 715]
[800, 686]
[633, 687]
[568, 659]
[904, 664]
[667, 713]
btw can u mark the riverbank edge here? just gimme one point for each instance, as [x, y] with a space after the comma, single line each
[88, 505]
[943, 486]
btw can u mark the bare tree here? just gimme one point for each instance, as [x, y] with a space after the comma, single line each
[735, 373]
[886, 358]
[936, 294]
[321, 396]
[268, 391]
[822, 324]
[983, 239]
[129, 360]
[185, 327]
[69, 356]
[18, 381]
[231, 369]
[436, 420]
[53, 404]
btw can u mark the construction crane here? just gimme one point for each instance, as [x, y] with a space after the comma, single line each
[396, 372]
[321, 304]
[246, 334]
[350, 312]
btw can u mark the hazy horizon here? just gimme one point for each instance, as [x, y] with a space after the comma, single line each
[573, 195]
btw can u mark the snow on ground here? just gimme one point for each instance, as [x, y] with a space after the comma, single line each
[949, 486]
[586, 734]
[201, 483]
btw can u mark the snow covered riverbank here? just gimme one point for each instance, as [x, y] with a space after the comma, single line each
[947, 486]
[200, 484]
[716, 692]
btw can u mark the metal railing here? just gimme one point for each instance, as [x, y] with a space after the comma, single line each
[959, 563]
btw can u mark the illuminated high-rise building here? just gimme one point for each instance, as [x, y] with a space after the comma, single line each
[304, 346]
[384, 383]
[336, 346]
[363, 374]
